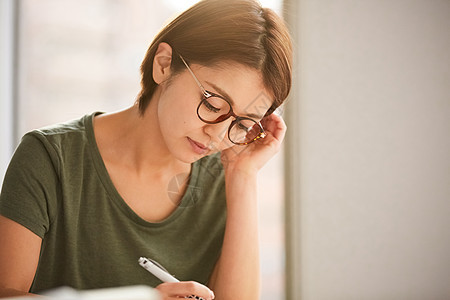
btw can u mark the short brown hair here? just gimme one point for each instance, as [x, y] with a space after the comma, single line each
[214, 31]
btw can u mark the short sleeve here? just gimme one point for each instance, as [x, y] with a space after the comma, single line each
[30, 187]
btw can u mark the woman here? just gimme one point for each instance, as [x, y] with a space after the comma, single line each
[172, 178]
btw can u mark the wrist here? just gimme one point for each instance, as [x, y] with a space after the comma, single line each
[240, 172]
[241, 192]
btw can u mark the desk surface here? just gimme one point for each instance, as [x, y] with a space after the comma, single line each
[137, 292]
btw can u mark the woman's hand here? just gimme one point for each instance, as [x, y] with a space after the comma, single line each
[252, 157]
[184, 289]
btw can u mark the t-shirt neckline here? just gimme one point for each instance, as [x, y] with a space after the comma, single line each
[114, 194]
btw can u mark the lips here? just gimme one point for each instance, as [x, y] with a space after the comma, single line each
[198, 148]
[199, 144]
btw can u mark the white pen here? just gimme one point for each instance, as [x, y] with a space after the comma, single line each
[156, 270]
[159, 271]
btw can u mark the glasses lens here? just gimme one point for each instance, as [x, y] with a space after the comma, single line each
[213, 109]
[244, 131]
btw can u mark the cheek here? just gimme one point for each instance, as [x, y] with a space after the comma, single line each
[178, 119]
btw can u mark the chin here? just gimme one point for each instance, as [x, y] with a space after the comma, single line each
[191, 159]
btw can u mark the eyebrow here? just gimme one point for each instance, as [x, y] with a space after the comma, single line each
[223, 93]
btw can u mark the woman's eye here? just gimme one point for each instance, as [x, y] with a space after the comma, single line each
[210, 107]
[242, 126]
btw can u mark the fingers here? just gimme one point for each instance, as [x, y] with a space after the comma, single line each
[185, 289]
[274, 125]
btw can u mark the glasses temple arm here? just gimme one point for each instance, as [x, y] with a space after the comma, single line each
[195, 78]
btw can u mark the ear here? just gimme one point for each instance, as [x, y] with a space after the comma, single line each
[162, 62]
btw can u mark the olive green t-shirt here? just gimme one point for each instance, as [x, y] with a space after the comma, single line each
[57, 186]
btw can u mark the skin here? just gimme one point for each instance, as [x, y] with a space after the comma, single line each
[155, 148]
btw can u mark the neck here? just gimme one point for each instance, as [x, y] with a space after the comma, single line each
[135, 141]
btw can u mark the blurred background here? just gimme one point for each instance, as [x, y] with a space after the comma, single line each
[359, 200]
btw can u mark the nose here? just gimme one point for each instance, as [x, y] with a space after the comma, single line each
[219, 131]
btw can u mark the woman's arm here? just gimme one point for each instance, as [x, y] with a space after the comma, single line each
[236, 274]
[19, 256]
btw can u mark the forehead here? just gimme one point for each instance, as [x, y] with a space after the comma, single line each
[241, 85]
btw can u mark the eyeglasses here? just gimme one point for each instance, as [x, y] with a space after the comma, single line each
[214, 109]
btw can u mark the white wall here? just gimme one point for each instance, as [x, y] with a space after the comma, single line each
[373, 127]
[6, 83]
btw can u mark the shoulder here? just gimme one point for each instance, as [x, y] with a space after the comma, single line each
[50, 143]
[66, 135]
[72, 128]
[211, 165]
[208, 174]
